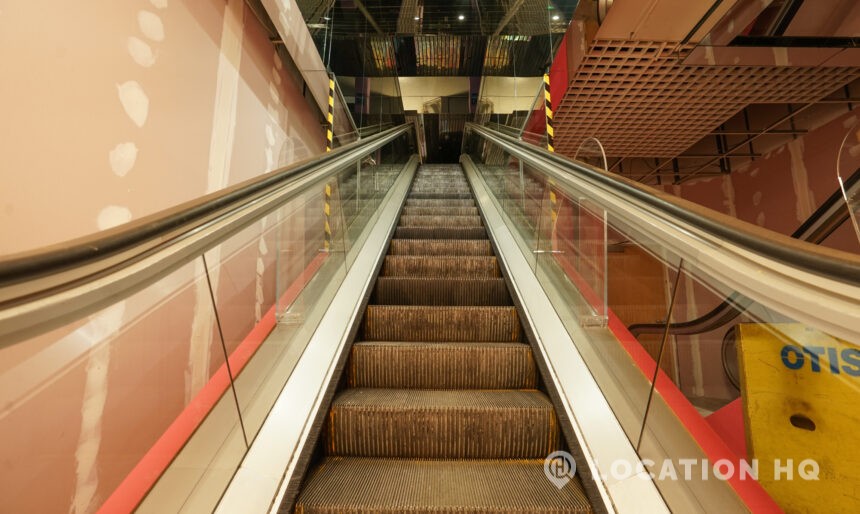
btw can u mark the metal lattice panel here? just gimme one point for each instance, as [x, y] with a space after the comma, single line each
[641, 101]
[533, 18]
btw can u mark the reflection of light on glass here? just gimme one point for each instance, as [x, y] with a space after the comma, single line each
[851, 200]
[555, 17]
[416, 18]
[383, 54]
[500, 52]
[461, 17]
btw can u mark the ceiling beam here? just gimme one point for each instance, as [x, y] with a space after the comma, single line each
[755, 132]
[367, 16]
[718, 154]
[512, 11]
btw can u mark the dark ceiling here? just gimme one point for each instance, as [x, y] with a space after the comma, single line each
[429, 38]
[440, 55]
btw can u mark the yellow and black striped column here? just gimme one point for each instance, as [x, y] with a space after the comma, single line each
[550, 145]
[327, 210]
[553, 215]
[329, 139]
[329, 136]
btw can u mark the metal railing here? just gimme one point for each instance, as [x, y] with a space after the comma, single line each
[824, 283]
[50, 287]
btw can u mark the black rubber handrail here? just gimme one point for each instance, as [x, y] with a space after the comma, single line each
[814, 230]
[843, 267]
[22, 267]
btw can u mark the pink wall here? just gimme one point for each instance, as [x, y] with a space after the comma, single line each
[777, 191]
[66, 69]
[113, 111]
[781, 189]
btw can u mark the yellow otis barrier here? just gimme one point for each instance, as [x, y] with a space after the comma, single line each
[801, 391]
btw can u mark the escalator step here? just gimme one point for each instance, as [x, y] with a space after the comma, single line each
[429, 202]
[442, 324]
[438, 247]
[477, 266]
[431, 424]
[367, 486]
[440, 221]
[440, 196]
[440, 233]
[440, 291]
[438, 409]
[430, 188]
[442, 365]
[440, 211]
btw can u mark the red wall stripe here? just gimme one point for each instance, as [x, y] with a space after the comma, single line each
[133, 489]
[750, 491]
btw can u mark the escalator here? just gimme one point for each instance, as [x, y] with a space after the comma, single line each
[440, 407]
[440, 385]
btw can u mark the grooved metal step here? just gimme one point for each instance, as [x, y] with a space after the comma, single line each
[429, 202]
[441, 365]
[440, 221]
[430, 424]
[442, 324]
[428, 196]
[443, 267]
[435, 188]
[440, 211]
[438, 291]
[440, 233]
[370, 486]
[440, 411]
[440, 247]
[429, 186]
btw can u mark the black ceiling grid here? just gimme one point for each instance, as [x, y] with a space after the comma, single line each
[438, 43]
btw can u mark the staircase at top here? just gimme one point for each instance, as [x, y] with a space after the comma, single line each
[441, 410]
